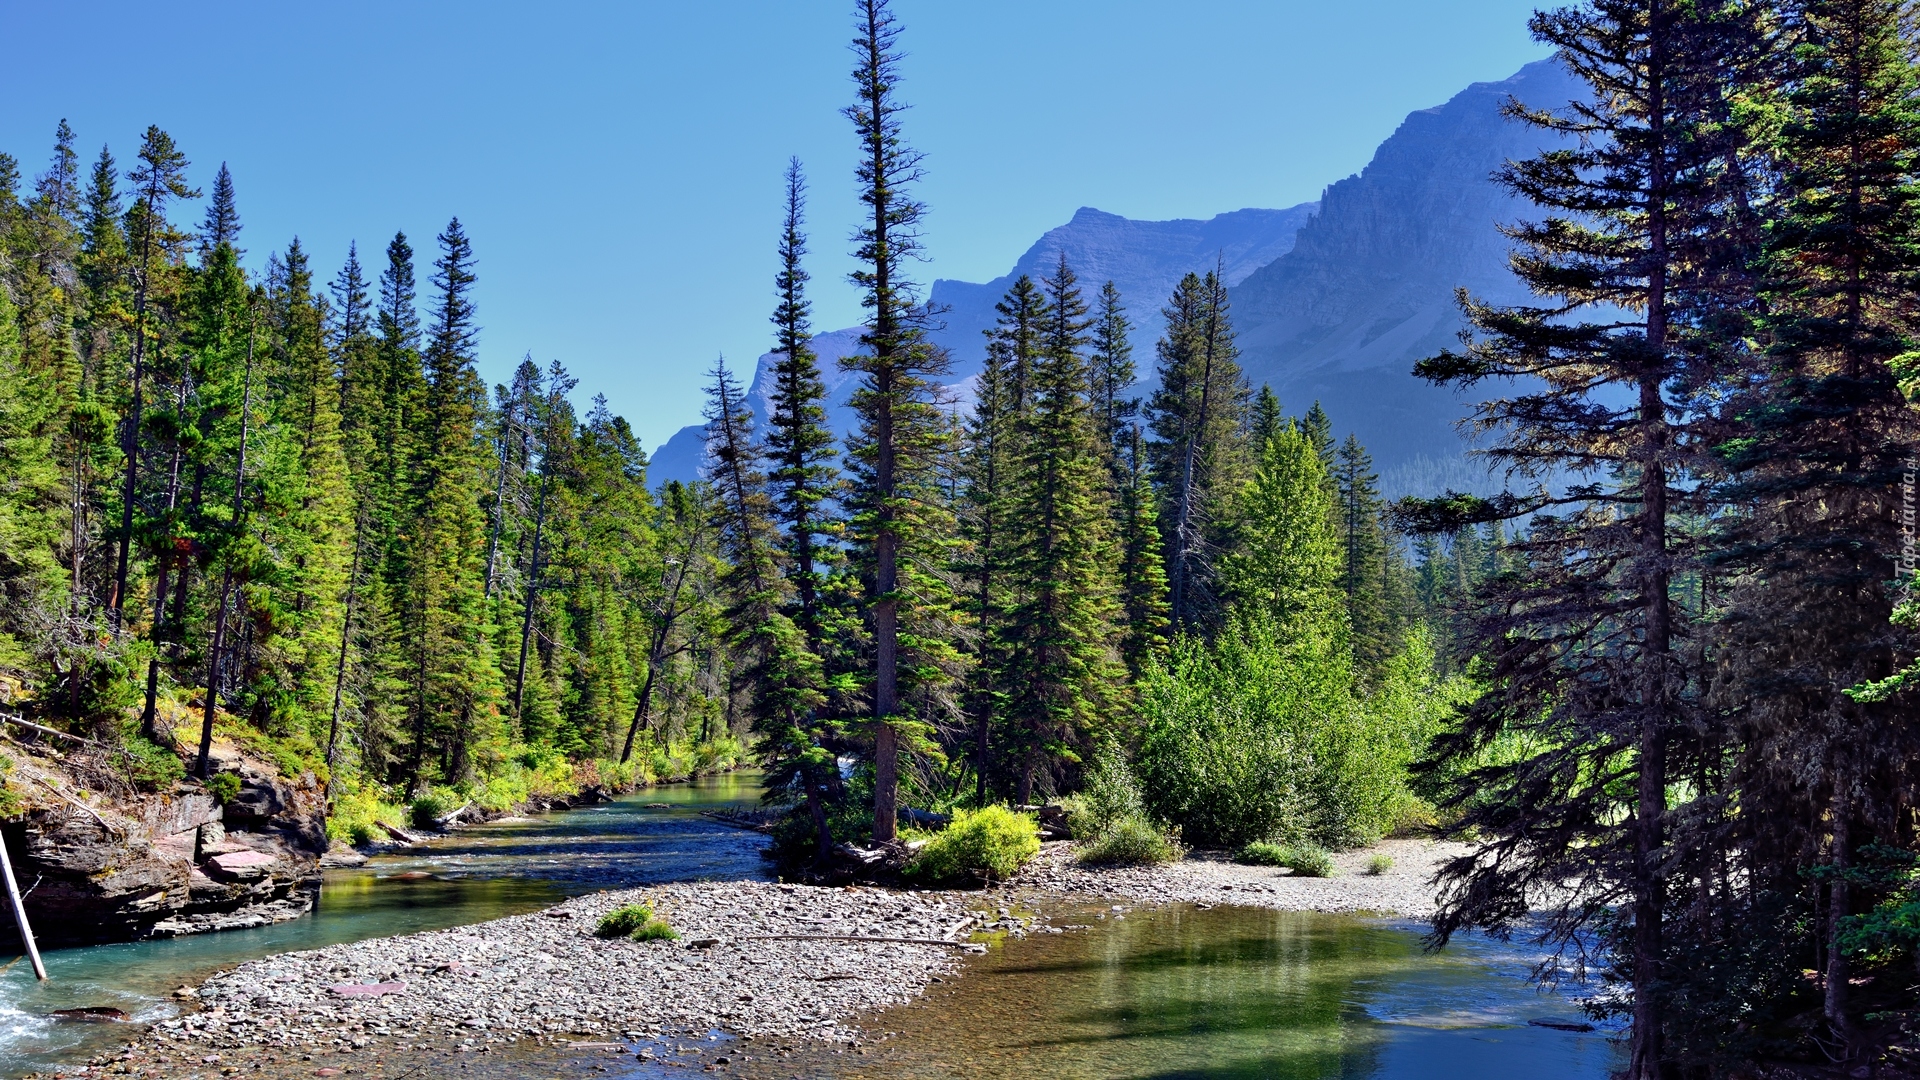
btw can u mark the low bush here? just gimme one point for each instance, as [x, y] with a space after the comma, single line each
[988, 844]
[1379, 863]
[636, 922]
[1111, 795]
[358, 814]
[1130, 841]
[223, 787]
[427, 809]
[1305, 860]
[1263, 853]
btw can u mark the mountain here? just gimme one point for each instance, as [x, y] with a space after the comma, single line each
[1368, 286]
[1144, 260]
[1334, 301]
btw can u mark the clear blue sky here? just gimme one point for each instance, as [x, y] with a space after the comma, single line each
[618, 164]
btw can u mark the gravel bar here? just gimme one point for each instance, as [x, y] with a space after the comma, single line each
[756, 959]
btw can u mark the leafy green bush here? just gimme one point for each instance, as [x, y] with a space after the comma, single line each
[1261, 735]
[427, 809]
[1309, 860]
[359, 812]
[1130, 841]
[1379, 863]
[223, 786]
[636, 922]
[1262, 853]
[655, 930]
[987, 844]
[1305, 860]
[1111, 794]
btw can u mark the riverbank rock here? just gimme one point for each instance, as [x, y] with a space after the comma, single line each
[97, 868]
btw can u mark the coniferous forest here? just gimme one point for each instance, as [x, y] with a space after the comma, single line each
[1662, 685]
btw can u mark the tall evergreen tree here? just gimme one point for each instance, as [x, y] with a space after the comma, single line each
[1063, 612]
[222, 222]
[898, 522]
[1198, 452]
[1364, 573]
[1580, 643]
[1111, 373]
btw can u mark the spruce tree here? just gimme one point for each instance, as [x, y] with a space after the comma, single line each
[222, 222]
[898, 524]
[1364, 572]
[1143, 577]
[801, 480]
[1062, 671]
[1111, 373]
[1198, 452]
[1289, 569]
[1579, 638]
[1820, 442]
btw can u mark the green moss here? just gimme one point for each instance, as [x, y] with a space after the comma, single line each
[988, 844]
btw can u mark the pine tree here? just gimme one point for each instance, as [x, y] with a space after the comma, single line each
[1318, 427]
[1364, 572]
[161, 177]
[1063, 615]
[222, 222]
[1198, 454]
[1111, 373]
[1579, 641]
[898, 523]
[801, 481]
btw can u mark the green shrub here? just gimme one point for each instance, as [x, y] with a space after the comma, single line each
[1305, 860]
[154, 767]
[223, 787]
[655, 930]
[1309, 860]
[636, 922]
[1111, 794]
[427, 809]
[622, 921]
[1130, 841]
[1380, 863]
[359, 812]
[987, 844]
[1263, 853]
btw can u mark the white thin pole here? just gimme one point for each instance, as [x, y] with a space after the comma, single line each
[20, 913]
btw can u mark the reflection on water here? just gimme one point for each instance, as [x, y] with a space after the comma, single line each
[485, 872]
[1224, 993]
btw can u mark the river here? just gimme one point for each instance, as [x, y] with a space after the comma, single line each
[1172, 992]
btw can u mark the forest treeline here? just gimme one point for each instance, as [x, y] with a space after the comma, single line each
[1660, 686]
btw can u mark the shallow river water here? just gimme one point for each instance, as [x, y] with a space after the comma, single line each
[1170, 992]
[501, 868]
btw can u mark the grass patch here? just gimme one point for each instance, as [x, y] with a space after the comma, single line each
[636, 922]
[988, 844]
[1379, 863]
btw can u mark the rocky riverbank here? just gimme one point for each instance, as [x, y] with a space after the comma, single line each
[768, 963]
[101, 860]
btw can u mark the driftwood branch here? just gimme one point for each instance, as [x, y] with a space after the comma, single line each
[31, 726]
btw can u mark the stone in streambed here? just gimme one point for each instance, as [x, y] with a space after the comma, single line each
[369, 990]
[246, 865]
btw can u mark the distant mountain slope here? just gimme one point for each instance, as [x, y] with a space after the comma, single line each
[1368, 287]
[1144, 259]
[1334, 301]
